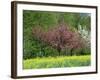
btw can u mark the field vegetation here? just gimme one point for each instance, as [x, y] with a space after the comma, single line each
[57, 62]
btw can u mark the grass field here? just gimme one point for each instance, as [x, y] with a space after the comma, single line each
[57, 62]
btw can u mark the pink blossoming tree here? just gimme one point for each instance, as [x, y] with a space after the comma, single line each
[60, 38]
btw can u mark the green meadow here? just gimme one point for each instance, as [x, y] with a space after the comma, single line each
[57, 62]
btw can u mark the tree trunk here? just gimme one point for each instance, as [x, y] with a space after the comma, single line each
[59, 50]
[71, 52]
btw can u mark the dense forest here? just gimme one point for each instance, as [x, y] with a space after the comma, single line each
[52, 34]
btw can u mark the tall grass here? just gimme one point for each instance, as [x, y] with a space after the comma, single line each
[57, 62]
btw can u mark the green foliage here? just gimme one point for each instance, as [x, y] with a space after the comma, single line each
[72, 19]
[56, 62]
[85, 21]
[44, 19]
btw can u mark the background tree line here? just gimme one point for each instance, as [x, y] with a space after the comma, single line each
[40, 26]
